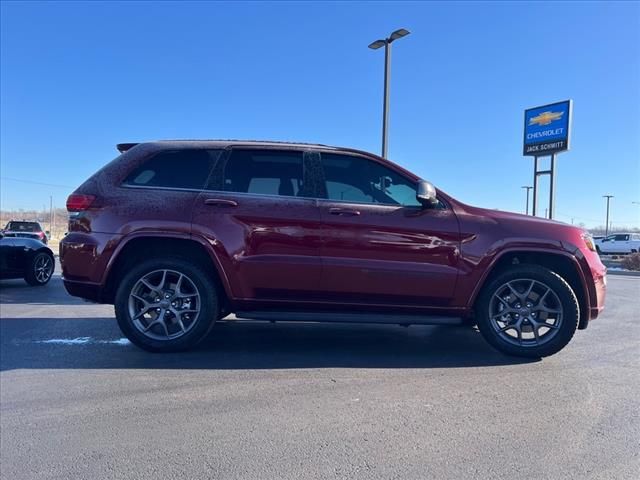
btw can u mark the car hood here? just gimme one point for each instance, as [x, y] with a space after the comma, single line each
[518, 226]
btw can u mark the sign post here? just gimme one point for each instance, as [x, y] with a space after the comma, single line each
[546, 132]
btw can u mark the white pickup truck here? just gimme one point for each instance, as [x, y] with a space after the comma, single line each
[619, 243]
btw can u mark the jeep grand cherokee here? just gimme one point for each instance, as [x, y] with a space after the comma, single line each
[179, 234]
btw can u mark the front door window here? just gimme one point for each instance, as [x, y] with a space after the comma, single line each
[358, 180]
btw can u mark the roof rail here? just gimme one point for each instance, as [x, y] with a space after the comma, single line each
[123, 147]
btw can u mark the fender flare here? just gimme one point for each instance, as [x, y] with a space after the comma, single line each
[155, 234]
[563, 253]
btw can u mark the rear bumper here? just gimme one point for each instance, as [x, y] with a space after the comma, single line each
[88, 291]
[84, 259]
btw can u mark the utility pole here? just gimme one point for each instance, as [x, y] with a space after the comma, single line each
[50, 214]
[386, 43]
[527, 208]
[606, 225]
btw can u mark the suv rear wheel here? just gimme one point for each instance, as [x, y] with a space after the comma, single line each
[528, 311]
[166, 305]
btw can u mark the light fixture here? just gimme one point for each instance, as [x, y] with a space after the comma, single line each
[402, 32]
[377, 44]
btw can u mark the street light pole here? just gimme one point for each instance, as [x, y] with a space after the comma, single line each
[385, 101]
[528, 188]
[386, 43]
[606, 225]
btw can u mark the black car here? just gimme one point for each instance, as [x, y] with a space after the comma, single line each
[24, 229]
[26, 258]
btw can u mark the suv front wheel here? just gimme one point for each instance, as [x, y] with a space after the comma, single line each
[166, 305]
[528, 311]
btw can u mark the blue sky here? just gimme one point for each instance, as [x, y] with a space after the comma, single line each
[77, 78]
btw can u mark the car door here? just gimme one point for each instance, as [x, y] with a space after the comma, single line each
[623, 243]
[608, 244]
[260, 216]
[13, 256]
[381, 247]
[8, 256]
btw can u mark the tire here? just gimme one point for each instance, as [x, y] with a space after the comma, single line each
[39, 270]
[501, 313]
[190, 305]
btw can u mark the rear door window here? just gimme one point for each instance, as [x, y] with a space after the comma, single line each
[184, 169]
[265, 172]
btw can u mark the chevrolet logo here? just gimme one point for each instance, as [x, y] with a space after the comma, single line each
[545, 118]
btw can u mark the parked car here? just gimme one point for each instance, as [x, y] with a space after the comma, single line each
[179, 234]
[24, 229]
[26, 258]
[620, 243]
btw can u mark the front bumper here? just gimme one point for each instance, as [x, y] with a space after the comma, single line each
[600, 287]
[595, 278]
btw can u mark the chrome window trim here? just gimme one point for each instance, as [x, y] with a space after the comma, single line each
[217, 192]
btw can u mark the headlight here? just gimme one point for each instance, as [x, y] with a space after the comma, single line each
[588, 241]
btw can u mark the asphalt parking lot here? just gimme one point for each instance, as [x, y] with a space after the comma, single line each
[266, 401]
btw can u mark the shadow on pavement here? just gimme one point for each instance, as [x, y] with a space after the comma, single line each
[53, 293]
[250, 345]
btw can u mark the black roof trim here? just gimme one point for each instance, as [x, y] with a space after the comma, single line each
[123, 147]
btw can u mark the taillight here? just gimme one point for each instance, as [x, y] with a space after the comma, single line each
[79, 202]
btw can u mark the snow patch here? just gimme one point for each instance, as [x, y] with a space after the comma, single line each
[120, 341]
[84, 341]
[67, 341]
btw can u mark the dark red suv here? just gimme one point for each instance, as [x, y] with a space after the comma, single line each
[179, 234]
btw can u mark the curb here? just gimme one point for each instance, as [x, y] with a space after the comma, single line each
[623, 273]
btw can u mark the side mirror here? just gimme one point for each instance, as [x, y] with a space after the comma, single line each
[426, 193]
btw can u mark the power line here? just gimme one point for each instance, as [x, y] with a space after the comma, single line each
[579, 217]
[618, 220]
[35, 183]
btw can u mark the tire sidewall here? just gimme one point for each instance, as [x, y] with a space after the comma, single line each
[30, 274]
[570, 309]
[208, 305]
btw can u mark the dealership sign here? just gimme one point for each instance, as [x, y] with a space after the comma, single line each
[546, 129]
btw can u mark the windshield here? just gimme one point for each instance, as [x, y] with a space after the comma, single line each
[23, 227]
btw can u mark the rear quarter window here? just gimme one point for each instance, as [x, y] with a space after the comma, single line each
[188, 169]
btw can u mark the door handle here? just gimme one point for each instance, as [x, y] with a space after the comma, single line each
[343, 211]
[220, 202]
